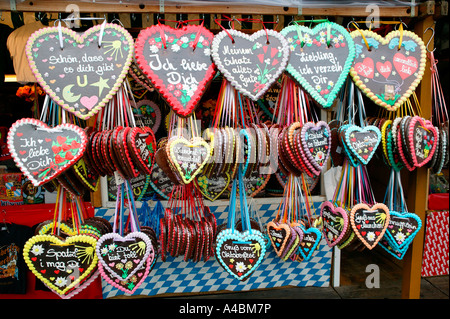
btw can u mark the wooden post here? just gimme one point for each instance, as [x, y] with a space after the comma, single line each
[417, 194]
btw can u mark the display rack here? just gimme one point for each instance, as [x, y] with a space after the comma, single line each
[418, 15]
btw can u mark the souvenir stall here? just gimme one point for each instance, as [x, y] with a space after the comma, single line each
[170, 147]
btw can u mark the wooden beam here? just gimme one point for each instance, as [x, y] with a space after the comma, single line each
[94, 7]
[417, 194]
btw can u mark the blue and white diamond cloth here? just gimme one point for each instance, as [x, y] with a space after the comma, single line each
[175, 276]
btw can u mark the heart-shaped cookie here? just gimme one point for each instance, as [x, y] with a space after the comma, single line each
[141, 145]
[386, 73]
[369, 223]
[316, 141]
[255, 183]
[147, 113]
[86, 174]
[130, 285]
[238, 253]
[335, 223]
[189, 157]
[177, 62]
[320, 67]
[42, 152]
[278, 235]
[123, 256]
[212, 188]
[251, 63]
[87, 71]
[62, 265]
[362, 142]
[311, 239]
[160, 182]
[402, 229]
[423, 140]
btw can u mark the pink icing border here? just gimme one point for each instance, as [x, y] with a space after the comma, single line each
[427, 125]
[308, 154]
[148, 251]
[346, 222]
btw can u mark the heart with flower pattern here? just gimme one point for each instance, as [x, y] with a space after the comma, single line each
[62, 265]
[251, 63]
[422, 140]
[402, 228]
[362, 142]
[320, 59]
[388, 69]
[177, 62]
[240, 253]
[123, 256]
[188, 157]
[369, 223]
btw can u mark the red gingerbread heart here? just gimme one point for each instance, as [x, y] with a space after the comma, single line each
[177, 62]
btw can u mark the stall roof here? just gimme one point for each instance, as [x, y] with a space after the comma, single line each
[306, 7]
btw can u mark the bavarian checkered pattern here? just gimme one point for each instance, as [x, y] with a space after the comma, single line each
[177, 276]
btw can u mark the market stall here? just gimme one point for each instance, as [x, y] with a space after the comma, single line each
[221, 150]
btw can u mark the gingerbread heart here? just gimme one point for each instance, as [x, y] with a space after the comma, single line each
[402, 229]
[255, 183]
[335, 223]
[311, 239]
[316, 140]
[42, 152]
[160, 182]
[86, 174]
[83, 75]
[386, 73]
[122, 256]
[62, 265]
[147, 113]
[189, 157]
[177, 62]
[212, 188]
[278, 235]
[251, 63]
[320, 67]
[362, 143]
[238, 253]
[142, 147]
[369, 223]
[130, 285]
[423, 140]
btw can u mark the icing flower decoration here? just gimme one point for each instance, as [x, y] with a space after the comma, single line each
[240, 267]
